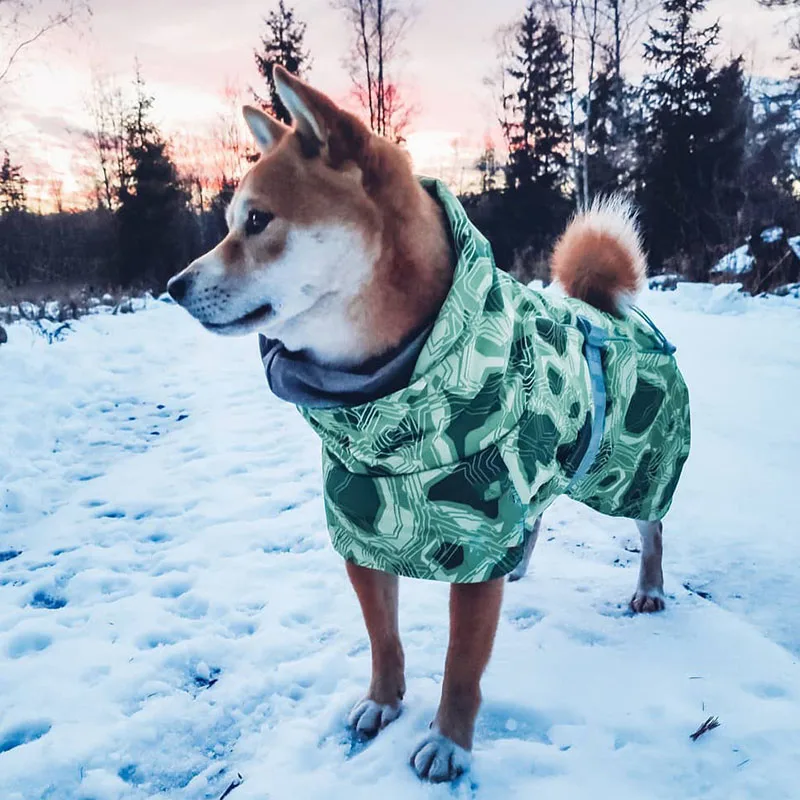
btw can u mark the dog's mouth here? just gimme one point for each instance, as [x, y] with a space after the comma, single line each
[256, 315]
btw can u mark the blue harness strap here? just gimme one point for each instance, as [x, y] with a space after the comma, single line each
[594, 340]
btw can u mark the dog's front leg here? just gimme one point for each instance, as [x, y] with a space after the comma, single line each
[378, 594]
[474, 613]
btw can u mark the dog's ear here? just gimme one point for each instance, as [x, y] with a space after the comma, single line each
[322, 127]
[266, 130]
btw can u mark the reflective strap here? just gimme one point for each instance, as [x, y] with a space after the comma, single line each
[594, 340]
[666, 345]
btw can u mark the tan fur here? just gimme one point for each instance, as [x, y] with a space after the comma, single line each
[355, 256]
[367, 182]
[599, 258]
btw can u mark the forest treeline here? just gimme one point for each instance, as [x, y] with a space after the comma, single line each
[708, 151]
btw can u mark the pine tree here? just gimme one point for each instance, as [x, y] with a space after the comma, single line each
[15, 240]
[692, 147]
[534, 205]
[283, 44]
[536, 131]
[155, 230]
[487, 166]
[12, 186]
[772, 163]
[680, 56]
[723, 153]
[611, 147]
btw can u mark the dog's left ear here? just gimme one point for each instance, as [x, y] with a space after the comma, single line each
[322, 127]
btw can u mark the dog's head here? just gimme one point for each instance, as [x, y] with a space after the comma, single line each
[304, 234]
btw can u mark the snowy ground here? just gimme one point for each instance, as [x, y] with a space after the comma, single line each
[172, 615]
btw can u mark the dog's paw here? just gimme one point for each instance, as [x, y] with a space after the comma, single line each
[647, 602]
[369, 718]
[438, 759]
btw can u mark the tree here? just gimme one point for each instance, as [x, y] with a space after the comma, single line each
[722, 157]
[156, 234]
[15, 240]
[487, 166]
[795, 19]
[595, 30]
[12, 186]
[626, 20]
[690, 131]
[536, 131]
[608, 147]
[378, 28]
[592, 19]
[772, 165]
[20, 29]
[522, 223]
[106, 138]
[283, 43]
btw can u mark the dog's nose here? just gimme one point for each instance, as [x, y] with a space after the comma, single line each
[177, 287]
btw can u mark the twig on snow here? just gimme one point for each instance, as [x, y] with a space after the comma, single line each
[708, 725]
[237, 781]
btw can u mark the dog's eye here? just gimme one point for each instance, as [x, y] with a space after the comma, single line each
[257, 221]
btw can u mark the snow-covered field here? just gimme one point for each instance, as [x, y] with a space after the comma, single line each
[172, 616]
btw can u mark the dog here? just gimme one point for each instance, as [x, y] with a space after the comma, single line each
[454, 404]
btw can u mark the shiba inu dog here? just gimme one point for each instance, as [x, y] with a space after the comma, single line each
[454, 404]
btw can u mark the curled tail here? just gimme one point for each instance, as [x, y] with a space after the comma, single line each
[599, 259]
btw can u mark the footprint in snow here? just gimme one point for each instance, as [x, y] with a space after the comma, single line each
[767, 691]
[525, 618]
[48, 600]
[191, 606]
[173, 588]
[28, 643]
[499, 721]
[150, 641]
[22, 734]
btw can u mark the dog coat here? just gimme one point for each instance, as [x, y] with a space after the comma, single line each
[509, 399]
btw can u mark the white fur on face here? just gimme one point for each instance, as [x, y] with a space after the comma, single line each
[303, 298]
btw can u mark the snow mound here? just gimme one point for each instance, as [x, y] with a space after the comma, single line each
[772, 235]
[738, 262]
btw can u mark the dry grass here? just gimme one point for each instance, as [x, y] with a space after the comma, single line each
[60, 302]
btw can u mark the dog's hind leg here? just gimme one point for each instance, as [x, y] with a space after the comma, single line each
[378, 595]
[522, 568]
[649, 596]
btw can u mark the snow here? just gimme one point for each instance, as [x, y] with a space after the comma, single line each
[172, 616]
[794, 243]
[738, 262]
[772, 235]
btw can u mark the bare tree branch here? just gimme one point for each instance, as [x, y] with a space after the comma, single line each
[13, 24]
[378, 27]
[592, 26]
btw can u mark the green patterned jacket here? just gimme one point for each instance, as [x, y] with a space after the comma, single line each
[443, 479]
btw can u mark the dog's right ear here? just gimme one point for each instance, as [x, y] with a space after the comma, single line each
[322, 128]
[266, 130]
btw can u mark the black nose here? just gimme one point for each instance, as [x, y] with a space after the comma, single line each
[177, 287]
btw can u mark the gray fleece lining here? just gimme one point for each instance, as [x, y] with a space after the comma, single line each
[292, 377]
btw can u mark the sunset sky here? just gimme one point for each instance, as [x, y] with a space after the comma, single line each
[190, 49]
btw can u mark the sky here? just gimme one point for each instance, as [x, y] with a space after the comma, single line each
[189, 50]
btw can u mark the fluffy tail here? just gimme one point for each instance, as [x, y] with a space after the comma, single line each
[600, 259]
